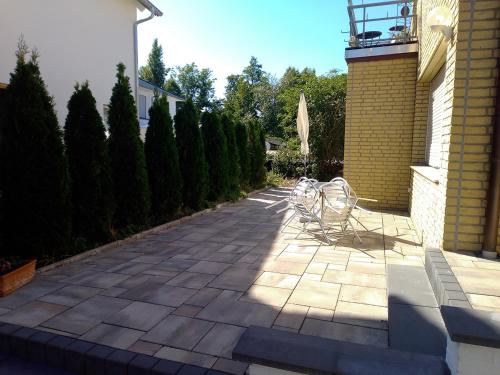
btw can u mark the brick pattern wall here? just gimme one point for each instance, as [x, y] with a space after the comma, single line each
[477, 48]
[379, 127]
[427, 210]
[470, 59]
[427, 198]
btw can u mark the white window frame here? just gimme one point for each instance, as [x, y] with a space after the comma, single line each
[141, 98]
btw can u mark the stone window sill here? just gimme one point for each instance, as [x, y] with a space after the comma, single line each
[430, 173]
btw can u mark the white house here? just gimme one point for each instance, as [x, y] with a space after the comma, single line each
[77, 40]
[146, 94]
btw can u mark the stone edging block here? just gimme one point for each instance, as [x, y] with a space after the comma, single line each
[444, 283]
[83, 357]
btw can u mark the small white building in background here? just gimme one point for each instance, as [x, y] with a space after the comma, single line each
[77, 40]
[146, 95]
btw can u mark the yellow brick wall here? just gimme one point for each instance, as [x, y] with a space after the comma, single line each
[382, 141]
[428, 198]
[470, 60]
[378, 134]
[477, 46]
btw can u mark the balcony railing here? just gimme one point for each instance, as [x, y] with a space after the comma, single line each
[380, 23]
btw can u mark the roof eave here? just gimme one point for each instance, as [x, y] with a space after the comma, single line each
[151, 7]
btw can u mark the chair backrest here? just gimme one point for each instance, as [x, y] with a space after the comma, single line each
[305, 198]
[349, 190]
[338, 200]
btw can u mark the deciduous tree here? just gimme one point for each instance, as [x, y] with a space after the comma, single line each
[196, 84]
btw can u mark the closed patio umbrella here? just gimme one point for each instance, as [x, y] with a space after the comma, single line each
[303, 127]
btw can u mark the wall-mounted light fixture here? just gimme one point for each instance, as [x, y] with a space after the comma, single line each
[439, 20]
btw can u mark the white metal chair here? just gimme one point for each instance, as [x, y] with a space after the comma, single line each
[299, 189]
[344, 181]
[306, 203]
[338, 201]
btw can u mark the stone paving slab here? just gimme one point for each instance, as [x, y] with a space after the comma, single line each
[117, 337]
[139, 315]
[189, 291]
[178, 331]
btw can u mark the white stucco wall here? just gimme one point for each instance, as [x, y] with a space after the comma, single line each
[77, 40]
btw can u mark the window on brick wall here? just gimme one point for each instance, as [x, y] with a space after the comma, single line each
[435, 120]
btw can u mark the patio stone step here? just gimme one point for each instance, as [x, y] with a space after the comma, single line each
[36, 349]
[277, 349]
[414, 320]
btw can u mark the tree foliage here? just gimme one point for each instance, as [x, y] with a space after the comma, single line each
[234, 172]
[252, 95]
[162, 162]
[216, 154]
[33, 166]
[325, 96]
[191, 156]
[256, 154]
[126, 151]
[243, 158]
[172, 87]
[253, 73]
[89, 168]
[196, 84]
[154, 71]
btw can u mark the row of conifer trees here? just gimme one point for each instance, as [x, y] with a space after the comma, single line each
[63, 190]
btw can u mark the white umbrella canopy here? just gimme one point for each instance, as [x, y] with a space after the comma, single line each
[303, 125]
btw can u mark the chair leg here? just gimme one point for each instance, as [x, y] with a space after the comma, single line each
[304, 226]
[328, 240]
[360, 223]
[288, 221]
[355, 233]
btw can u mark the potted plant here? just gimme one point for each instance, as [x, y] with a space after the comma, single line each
[14, 273]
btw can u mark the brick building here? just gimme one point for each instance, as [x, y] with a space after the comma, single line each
[420, 120]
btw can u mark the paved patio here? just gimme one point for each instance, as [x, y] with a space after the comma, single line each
[189, 292]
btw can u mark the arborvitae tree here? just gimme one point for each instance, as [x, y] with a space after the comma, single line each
[162, 162]
[216, 155]
[128, 166]
[242, 145]
[233, 158]
[257, 153]
[191, 156]
[89, 168]
[33, 167]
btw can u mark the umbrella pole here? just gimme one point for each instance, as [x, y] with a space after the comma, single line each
[305, 165]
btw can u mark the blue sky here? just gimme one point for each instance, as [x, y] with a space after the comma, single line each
[223, 34]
